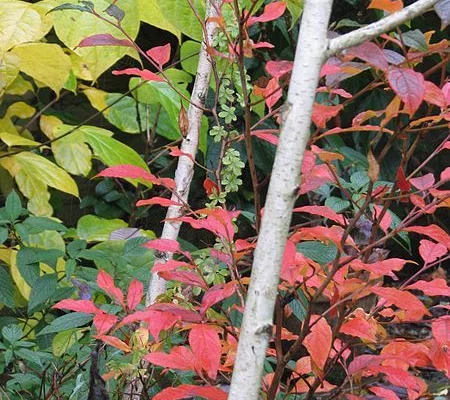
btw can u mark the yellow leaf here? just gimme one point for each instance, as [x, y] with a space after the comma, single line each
[73, 26]
[6, 125]
[19, 86]
[73, 155]
[9, 69]
[150, 12]
[23, 287]
[16, 140]
[44, 62]
[97, 98]
[374, 167]
[37, 194]
[19, 23]
[20, 110]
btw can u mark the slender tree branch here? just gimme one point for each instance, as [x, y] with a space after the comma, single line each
[375, 29]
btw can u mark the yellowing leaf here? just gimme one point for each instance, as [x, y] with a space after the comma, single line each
[73, 26]
[19, 23]
[42, 170]
[23, 287]
[97, 98]
[64, 340]
[36, 192]
[20, 85]
[16, 140]
[44, 62]
[20, 110]
[150, 12]
[48, 124]
[9, 69]
[72, 155]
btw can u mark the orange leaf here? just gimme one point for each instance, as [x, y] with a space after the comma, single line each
[390, 6]
[318, 341]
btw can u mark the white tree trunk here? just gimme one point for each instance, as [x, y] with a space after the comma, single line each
[256, 327]
[185, 167]
[312, 50]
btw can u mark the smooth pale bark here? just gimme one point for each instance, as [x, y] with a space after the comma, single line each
[375, 29]
[256, 327]
[313, 49]
[185, 167]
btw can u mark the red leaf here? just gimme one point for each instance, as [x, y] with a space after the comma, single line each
[383, 393]
[431, 251]
[267, 135]
[114, 342]
[210, 186]
[187, 391]
[329, 69]
[446, 91]
[433, 231]
[279, 68]
[360, 363]
[441, 329]
[164, 245]
[387, 5]
[370, 53]
[174, 309]
[380, 268]
[205, 344]
[445, 175]
[436, 287]
[402, 354]
[399, 377]
[414, 308]
[161, 201]
[180, 357]
[439, 353]
[135, 292]
[409, 85]
[104, 39]
[271, 12]
[126, 171]
[85, 306]
[322, 114]
[423, 182]
[272, 93]
[434, 95]
[160, 54]
[215, 294]
[323, 212]
[361, 328]
[318, 341]
[144, 74]
[386, 221]
[402, 182]
[104, 322]
[186, 277]
[106, 282]
[157, 320]
[261, 45]
[170, 265]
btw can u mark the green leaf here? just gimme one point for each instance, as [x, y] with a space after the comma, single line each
[415, 39]
[95, 229]
[12, 333]
[44, 62]
[41, 291]
[76, 7]
[13, 206]
[180, 14]
[71, 27]
[318, 251]
[337, 204]
[4, 232]
[71, 153]
[189, 56]
[38, 224]
[6, 289]
[295, 7]
[67, 321]
[112, 152]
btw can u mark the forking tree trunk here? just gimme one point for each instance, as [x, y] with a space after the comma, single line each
[313, 49]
